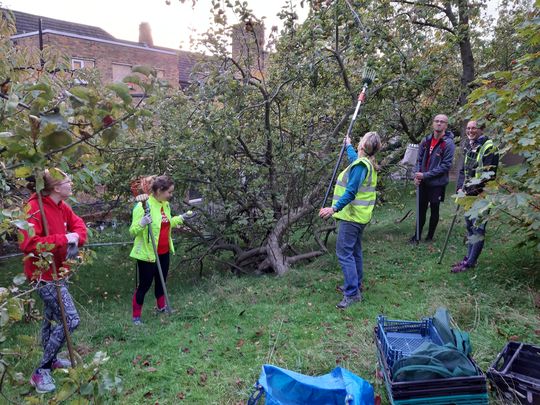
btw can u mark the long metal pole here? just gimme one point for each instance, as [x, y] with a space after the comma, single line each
[448, 235]
[417, 214]
[58, 291]
[361, 99]
[160, 271]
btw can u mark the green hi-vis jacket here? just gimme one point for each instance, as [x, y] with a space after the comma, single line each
[480, 158]
[142, 246]
[361, 208]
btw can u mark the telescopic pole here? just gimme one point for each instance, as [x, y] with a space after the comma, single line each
[367, 79]
[154, 246]
[448, 234]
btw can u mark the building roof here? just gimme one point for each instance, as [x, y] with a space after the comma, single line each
[186, 63]
[26, 23]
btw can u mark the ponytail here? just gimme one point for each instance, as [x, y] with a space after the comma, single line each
[371, 144]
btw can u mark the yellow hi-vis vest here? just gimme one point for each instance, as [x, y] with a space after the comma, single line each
[361, 208]
[480, 158]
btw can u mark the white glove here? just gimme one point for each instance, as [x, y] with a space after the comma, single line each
[73, 238]
[147, 219]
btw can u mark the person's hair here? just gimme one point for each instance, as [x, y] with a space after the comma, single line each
[50, 181]
[161, 183]
[371, 145]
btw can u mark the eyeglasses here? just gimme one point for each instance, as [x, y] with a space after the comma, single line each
[440, 121]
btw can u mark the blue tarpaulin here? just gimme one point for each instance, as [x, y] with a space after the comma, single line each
[340, 386]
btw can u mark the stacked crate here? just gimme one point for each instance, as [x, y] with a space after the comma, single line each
[516, 373]
[396, 339]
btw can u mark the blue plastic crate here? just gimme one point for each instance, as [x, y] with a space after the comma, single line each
[401, 338]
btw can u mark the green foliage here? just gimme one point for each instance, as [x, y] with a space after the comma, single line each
[507, 101]
[47, 118]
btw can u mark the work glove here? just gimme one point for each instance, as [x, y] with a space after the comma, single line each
[188, 215]
[147, 219]
[72, 251]
[72, 237]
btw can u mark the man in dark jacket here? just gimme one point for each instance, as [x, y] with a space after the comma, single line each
[479, 166]
[435, 156]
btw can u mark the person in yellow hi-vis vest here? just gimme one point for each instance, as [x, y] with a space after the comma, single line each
[352, 204]
[480, 163]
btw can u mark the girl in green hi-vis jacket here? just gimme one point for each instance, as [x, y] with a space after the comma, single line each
[160, 222]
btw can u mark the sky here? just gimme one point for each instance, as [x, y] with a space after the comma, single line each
[171, 24]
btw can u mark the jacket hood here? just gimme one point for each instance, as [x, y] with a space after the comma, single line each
[46, 200]
[447, 135]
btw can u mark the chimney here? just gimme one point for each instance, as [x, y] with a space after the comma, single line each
[145, 34]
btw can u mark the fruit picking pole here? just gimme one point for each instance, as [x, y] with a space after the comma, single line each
[143, 198]
[367, 79]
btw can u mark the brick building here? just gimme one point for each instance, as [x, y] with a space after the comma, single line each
[89, 46]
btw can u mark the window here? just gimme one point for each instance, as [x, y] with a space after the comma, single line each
[119, 71]
[81, 63]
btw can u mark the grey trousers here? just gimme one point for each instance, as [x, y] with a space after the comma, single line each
[52, 334]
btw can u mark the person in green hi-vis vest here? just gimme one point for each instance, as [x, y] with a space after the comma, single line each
[480, 163]
[352, 204]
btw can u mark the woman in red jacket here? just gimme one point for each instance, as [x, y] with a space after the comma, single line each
[64, 229]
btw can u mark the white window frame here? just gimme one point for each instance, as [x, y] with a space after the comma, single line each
[82, 62]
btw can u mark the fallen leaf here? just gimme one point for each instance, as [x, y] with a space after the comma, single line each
[148, 394]
[181, 396]
[240, 343]
[185, 350]
[191, 371]
[203, 378]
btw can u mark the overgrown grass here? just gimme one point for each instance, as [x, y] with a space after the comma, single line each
[224, 328]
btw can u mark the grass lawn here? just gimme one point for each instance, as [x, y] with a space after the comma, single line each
[224, 328]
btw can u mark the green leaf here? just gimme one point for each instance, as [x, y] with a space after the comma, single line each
[15, 309]
[100, 358]
[132, 79]
[65, 392]
[4, 316]
[22, 172]
[81, 93]
[55, 140]
[87, 389]
[110, 134]
[55, 120]
[19, 279]
[122, 91]
[21, 224]
[144, 70]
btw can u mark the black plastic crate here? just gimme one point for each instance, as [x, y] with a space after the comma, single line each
[408, 390]
[515, 373]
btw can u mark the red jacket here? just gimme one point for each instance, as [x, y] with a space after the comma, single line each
[61, 220]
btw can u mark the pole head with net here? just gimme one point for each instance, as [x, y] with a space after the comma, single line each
[368, 76]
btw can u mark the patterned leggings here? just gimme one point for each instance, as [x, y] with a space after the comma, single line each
[52, 335]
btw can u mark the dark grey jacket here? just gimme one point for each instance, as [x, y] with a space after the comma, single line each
[440, 160]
